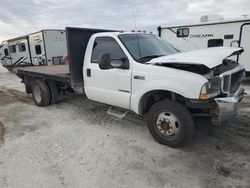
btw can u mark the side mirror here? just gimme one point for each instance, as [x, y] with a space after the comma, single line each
[121, 63]
[105, 62]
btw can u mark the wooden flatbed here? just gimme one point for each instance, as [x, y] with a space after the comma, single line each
[58, 73]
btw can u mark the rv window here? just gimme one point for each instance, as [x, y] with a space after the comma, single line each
[106, 45]
[228, 36]
[13, 49]
[214, 42]
[184, 32]
[57, 60]
[6, 52]
[22, 47]
[38, 49]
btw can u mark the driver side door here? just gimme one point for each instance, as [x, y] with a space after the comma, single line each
[112, 86]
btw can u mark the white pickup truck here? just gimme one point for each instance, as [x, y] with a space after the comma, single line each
[144, 74]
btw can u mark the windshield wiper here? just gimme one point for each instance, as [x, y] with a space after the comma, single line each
[150, 57]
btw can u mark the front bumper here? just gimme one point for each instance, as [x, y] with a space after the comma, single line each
[227, 107]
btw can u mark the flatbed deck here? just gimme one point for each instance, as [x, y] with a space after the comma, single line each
[54, 72]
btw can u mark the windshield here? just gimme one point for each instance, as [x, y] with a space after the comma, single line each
[144, 47]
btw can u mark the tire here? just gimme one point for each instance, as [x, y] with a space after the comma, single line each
[28, 88]
[28, 84]
[41, 93]
[54, 92]
[170, 123]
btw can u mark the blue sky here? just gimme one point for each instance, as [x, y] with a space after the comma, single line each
[21, 17]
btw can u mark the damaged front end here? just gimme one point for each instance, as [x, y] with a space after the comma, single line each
[233, 91]
[221, 94]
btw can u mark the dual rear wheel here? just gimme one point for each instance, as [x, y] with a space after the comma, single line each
[44, 93]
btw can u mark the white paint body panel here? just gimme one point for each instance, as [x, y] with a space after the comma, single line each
[210, 57]
[5, 60]
[245, 43]
[104, 85]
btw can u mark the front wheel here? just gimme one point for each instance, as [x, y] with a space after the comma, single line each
[170, 123]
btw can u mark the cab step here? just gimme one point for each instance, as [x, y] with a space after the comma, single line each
[117, 112]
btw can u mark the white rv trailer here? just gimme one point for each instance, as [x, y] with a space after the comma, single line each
[46, 47]
[4, 53]
[212, 31]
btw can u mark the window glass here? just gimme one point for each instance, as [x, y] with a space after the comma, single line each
[228, 36]
[57, 60]
[106, 45]
[144, 47]
[21, 47]
[38, 49]
[183, 32]
[214, 42]
[12, 48]
[6, 52]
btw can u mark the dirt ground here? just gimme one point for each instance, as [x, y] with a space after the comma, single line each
[76, 144]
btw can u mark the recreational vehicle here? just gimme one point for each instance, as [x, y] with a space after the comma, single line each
[45, 47]
[212, 31]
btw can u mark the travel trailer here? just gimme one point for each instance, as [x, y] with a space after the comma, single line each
[212, 31]
[4, 53]
[46, 47]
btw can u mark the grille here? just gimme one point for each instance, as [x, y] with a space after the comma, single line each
[231, 82]
[236, 80]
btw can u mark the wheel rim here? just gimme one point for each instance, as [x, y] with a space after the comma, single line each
[37, 94]
[168, 125]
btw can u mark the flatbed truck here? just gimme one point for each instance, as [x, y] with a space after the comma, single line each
[144, 74]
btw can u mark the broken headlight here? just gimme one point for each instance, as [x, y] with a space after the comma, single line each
[211, 89]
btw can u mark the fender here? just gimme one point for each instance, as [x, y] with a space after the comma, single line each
[184, 83]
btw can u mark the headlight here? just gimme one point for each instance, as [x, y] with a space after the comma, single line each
[211, 89]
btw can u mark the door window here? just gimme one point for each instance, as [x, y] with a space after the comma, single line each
[6, 52]
[21, 47]
[38, 49]
[106, 45]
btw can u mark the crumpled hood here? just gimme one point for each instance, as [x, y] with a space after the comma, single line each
[210, 57]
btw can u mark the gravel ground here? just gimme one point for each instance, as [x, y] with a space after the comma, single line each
[76, 144]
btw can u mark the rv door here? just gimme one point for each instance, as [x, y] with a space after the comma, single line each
[244, 58]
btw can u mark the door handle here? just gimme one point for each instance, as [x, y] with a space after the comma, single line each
[88, 72]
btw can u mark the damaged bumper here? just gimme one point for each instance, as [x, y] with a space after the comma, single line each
[227, 107]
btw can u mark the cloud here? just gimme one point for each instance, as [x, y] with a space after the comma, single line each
[23, 17]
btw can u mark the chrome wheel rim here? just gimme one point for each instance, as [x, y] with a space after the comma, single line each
[168, 125]
[37, 94]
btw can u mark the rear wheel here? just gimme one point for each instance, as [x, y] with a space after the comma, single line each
[54, 92]
[170, 123]
[41, 93]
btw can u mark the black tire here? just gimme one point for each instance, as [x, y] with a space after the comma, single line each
[168, 117]
[40, 88]
[28, 84]
[28, 88]
[54, 92]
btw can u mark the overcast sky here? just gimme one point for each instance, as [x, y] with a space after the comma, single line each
[21, 17]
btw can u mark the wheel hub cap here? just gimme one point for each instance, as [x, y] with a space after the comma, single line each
[167, 124]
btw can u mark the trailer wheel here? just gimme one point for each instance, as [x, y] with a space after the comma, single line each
[170, 123]
[54, 92]
[41, 93]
